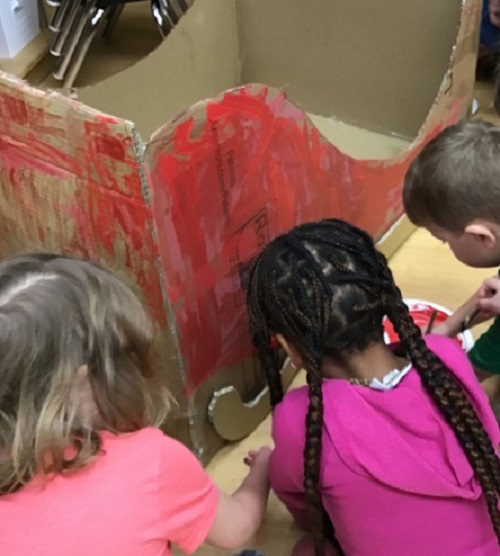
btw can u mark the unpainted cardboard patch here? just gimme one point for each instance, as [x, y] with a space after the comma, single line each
[234, 419]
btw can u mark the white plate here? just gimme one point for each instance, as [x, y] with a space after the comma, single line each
[466, 338]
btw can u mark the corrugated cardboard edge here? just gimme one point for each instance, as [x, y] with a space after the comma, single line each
[185, 405]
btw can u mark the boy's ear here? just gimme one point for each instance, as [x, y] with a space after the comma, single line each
[482, 231]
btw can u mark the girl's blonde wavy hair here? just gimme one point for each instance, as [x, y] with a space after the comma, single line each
[76, 358]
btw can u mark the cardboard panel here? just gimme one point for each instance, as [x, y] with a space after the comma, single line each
[229, 176]
[82, 196]
[377, 65]
[198, 60]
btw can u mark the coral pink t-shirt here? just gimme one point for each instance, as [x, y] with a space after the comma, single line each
[394, 479]
[143, 493]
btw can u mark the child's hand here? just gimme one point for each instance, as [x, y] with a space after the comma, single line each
[489, 297]
[258, 457]
[239, 515]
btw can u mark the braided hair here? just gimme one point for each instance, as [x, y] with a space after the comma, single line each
[326, 289]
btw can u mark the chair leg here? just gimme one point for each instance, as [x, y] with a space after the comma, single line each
[112, 20]
[170, 12]
[59, 17]
[68, 19]
[42, 15]
[95, 19]
[84, 14]
[159, 16]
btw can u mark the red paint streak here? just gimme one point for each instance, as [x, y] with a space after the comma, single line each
[102, 140]
[111, 146]
[14, 109]
[37, 156]
[224, 182]
[72, 183]
[211, 180]
[104, 148]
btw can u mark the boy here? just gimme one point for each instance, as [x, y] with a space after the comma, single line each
[452, 189]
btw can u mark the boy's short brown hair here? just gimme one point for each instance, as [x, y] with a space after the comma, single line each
[456, 178]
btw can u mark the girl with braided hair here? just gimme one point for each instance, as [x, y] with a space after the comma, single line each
[389, 450]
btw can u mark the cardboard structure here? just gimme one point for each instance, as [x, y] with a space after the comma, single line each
[182, 159]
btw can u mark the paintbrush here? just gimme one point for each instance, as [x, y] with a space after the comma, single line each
[469, 320]
[431, 321]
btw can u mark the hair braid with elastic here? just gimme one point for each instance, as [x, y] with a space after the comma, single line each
[326, 289]
[312, 321]
[449, 396]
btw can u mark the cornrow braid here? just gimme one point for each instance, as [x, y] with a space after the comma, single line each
[326, 289]
[314, 419]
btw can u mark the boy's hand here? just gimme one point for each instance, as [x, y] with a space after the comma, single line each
[489, 297]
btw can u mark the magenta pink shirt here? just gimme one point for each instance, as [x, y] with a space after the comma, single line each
[394, 479]
[145, 492]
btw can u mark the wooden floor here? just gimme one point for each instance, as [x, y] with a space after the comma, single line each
[423, 268]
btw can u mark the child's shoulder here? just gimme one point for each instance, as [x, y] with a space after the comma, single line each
[148, 441]
[145, 436]
[148, 449]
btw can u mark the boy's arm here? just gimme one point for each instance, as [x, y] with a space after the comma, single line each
[482, 306]
[455, 323]
[484, 356]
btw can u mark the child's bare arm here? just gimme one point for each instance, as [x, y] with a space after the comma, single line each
[482, 306]
[454, 324]
[240, 514]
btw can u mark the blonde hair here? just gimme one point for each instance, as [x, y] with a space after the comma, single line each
[69, 326]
